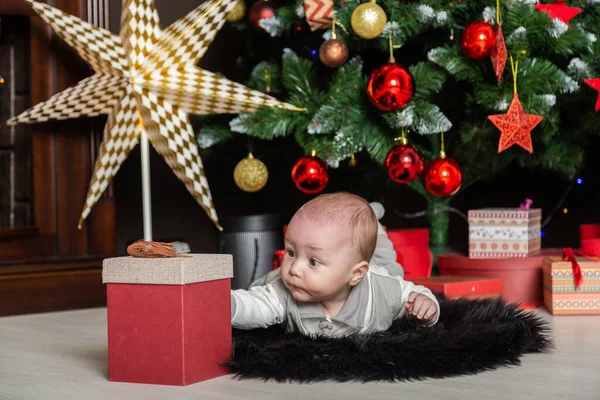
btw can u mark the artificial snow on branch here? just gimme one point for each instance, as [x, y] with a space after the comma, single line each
[489, 15]
[558, 28]
[392, 28]
[440, 19]
[549, 100]
[300, 10]
[568, 85]
[578, 68]
[237, 124]
[430, 119]
[501, 105]
[425, 13]
[401, 119]
[517, 35]
[272, 26]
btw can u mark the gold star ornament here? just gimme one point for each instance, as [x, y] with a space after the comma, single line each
[147, 81]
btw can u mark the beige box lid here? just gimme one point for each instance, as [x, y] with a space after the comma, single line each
[168, 271]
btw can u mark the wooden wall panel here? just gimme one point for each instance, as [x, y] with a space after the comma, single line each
[44, 174]
[54, 290]
[72, 147]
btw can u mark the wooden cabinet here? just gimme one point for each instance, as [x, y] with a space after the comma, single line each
[48, 263]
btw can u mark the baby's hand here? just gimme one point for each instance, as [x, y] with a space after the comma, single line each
[421, 307]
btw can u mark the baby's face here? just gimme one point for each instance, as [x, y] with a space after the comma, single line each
[318, 259]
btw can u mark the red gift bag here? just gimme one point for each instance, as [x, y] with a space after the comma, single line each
[589, 235]
[412, 246]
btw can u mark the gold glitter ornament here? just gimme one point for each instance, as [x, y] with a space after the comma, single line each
[368, 20]
[237, 13]
[250, 174]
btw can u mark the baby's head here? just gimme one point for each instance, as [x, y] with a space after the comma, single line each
[328, 243]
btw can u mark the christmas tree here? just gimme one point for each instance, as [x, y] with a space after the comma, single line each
[458, 90]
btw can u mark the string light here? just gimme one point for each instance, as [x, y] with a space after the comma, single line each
[543, 234]
[579, 181]
[313, 52]
[565, 211]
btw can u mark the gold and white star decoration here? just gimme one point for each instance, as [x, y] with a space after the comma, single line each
[147, 81]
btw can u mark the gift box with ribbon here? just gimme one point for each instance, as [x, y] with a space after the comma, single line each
[572, 284]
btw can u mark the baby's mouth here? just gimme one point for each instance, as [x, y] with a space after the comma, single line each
[293, 287]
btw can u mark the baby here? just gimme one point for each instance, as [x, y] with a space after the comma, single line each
[326, 284]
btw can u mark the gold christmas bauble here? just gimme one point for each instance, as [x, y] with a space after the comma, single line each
[237, 12]
[368, 20]
[250, 174]
[333, 53]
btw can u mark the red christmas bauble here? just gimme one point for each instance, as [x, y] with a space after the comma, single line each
[391, 87]
[310, 175]
[403, 163]
[477, 40]
[260, 10]
[442, 177]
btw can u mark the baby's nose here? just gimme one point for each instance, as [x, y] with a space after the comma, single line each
[295, 269]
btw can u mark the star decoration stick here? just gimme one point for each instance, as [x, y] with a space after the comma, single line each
[594, 83]
[147, 82]
[559, 10]
[515, 125]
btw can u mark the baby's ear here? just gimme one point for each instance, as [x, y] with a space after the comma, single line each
[358, 272]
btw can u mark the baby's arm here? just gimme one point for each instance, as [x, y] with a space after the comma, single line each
[259, 307]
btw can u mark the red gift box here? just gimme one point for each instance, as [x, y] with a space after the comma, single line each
[169, 319]
[412, 249]
[521, 277]
[454, 287]
[589, 235]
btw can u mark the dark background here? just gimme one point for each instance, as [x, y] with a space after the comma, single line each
[177, 216]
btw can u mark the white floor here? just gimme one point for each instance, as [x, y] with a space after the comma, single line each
[63, 356]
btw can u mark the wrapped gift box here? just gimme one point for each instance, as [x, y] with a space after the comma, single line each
[521, 277]
[561, 297]
[504, 232]
[169, 319]
[454, 287]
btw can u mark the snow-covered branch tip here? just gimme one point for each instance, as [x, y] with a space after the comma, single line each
[238, 124]
[272, 26]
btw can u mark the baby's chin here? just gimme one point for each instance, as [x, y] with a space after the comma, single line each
[300, 295]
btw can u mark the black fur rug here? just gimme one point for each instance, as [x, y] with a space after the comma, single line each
[471, 336]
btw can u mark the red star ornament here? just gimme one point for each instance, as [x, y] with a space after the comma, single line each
[498, 54]
[559, 10]
[594, 84]
[515, 126]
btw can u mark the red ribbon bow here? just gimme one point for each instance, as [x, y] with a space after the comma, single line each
[569, 255]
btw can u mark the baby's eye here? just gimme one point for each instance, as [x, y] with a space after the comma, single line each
[313, 262]
[291, 253]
